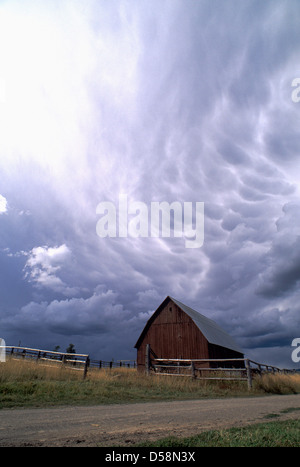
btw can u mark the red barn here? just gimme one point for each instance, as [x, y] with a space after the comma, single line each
[177, 331]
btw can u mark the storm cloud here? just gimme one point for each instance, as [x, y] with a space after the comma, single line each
[187, 101]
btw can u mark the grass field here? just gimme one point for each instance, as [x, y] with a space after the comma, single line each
[31, 384]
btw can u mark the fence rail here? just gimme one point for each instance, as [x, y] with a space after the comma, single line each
[72, 360]
[112, 364]
[233, 369]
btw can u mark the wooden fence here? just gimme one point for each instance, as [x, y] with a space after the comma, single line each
[234, 369]
[112, 364]
[72, 360]
[237, 369]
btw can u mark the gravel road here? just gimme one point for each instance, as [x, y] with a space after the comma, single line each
[127, 424]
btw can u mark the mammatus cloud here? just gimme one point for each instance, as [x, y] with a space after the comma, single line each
[282, 273]
[161, 103]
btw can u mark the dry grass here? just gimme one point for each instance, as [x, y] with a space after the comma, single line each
[26, 383]
[18, 370]
[278, 383]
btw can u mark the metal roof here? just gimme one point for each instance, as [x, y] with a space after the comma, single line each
[211, 331]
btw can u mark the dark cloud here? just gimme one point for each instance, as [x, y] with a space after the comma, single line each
[283, 259]
[177, 101]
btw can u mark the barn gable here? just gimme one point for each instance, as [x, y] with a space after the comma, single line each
[177, 331]
[212, 332]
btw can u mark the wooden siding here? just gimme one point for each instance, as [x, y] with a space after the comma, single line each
[216, 351]
[172, 334]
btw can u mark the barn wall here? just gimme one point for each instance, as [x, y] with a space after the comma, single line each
[216, 351]
[173, 334]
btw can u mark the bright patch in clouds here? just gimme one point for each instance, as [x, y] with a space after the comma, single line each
[43, 62]
[43, 266]
[3, 204]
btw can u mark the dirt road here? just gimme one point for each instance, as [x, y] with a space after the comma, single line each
[130, 423]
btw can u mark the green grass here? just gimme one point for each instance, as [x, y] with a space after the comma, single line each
[271, 434]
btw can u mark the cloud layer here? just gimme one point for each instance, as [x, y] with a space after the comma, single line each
[173, 101]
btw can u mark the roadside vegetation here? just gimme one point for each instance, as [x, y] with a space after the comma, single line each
[31, 384]
[271, 434]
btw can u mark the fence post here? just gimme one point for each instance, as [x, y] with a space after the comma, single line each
[259, 370]
[147, 359]
[86, 365]
[193, 369]
[249, 375]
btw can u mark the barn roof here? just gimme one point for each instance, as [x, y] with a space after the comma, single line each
[211, 331]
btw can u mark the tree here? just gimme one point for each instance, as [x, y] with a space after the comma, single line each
[71, 349]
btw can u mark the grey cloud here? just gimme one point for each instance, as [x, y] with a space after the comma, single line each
[283, 261]
[96, 316]
[267, 185]
[231, 221]
[184, 104]
[232, 153]
[284, 274]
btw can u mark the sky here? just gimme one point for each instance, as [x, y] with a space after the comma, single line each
[161, 101]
